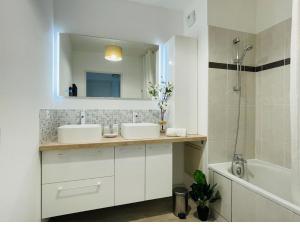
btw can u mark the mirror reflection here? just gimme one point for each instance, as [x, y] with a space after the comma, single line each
[100, 67]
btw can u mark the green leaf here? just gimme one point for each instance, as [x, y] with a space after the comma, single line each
[199, 177]
[215, 197]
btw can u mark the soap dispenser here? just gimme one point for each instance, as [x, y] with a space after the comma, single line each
[70, 91]
[74, 90]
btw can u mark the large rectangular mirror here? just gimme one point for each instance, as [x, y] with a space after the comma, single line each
[106, 68]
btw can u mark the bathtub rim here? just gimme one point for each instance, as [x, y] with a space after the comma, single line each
[220, 169]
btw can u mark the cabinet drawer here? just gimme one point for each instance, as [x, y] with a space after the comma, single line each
[58, 166]
[76, 196]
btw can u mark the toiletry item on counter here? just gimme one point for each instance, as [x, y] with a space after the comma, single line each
[108, 133]
[74, 90]
[70, 91]
[176, 132]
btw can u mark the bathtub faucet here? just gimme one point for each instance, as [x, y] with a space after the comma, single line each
[238, 165]
[239, 157]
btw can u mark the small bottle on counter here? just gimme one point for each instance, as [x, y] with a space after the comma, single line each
[70, 91]
[74, 90]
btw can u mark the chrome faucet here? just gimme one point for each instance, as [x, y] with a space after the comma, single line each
[238, 165]
[82, 117]
[134, 117]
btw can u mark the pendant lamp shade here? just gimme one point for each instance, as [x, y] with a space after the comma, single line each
[113, 53]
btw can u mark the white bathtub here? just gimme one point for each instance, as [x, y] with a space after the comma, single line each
[264, 194]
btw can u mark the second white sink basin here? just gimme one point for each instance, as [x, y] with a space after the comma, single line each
[70, 134]
[140, 130]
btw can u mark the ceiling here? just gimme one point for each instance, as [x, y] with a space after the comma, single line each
[179, 5]
[95, 44]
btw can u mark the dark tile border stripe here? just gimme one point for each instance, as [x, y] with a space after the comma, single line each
[217, 65]
[272, 65]
[230, 67]
[264, 67]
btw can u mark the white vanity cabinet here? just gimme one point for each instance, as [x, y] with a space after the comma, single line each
[86, 179]
[158, 171]
[129, 174]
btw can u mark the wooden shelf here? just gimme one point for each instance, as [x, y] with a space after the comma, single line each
[120, 141]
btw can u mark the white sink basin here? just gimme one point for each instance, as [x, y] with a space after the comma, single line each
[140, 130]
[70, 134]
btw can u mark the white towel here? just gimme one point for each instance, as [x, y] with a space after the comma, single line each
[176, 132]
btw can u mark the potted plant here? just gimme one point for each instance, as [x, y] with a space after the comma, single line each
[203, 194]
[162, 93]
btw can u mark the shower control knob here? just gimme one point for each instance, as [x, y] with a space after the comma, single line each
[238, 169]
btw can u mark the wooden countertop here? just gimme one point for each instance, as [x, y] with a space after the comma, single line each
[120, 141]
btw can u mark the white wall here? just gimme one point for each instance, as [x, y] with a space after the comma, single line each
[65, 66]
[233, 14]
[252, 16]
[25, 87]
[130, 69]
[271, 12]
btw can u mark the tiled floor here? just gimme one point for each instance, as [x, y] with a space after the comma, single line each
[150, 211]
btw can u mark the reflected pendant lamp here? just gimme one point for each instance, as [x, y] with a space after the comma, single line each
[113, 53]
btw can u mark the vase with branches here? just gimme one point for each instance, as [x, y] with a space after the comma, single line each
[162, 93]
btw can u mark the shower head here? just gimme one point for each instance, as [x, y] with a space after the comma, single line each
[248, 48]
[240, 58]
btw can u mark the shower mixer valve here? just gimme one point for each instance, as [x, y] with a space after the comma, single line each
[238, 165]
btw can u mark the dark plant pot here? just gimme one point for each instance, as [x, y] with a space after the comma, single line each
[203, 213]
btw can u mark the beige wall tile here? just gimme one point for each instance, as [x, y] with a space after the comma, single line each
[265, 120]
[218, 152]
[217, 86]
[287, 38]
[217, 122]
[273, 116]
[219, 44]
[286, 84]
[271, 44]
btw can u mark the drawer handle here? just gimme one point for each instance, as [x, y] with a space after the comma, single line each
[75, 188]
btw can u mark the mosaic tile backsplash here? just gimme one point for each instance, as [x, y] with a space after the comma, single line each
[51, 119]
